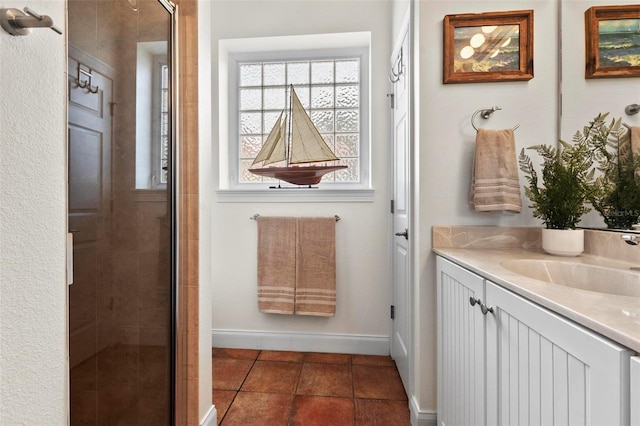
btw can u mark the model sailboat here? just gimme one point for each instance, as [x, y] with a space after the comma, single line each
[299, 143]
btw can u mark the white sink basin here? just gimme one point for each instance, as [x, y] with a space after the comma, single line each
[578, 275]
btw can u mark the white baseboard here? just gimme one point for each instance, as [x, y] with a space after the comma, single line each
[419, 418]
[304, 342]
[211, 418]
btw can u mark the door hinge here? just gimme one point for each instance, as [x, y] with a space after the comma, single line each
[393, 210]
[391, 97]
[393, 312]
[112, 108]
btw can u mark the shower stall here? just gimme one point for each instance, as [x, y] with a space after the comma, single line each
[122, 212]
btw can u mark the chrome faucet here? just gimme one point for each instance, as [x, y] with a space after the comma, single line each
[632, 240]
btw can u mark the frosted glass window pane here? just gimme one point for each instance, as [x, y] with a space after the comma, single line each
[323, 120]
[347, 71]
[298, 73]
[322, 97]
[346, 121]
[245, 174]
[329, 139]
[164, 124]
[347, 96]
[303, 95]
[250, 146]
[250, 123]
[347, 145]
[351, 173]
[269, 119]
[250, 75]
[274, 74]
[322, 72]
[250, 99]
[274, 99]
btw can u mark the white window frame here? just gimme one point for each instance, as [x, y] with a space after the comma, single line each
[289, 48]
[151, 56]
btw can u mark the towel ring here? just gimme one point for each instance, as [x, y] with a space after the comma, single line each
[486, 113]
[632, 109]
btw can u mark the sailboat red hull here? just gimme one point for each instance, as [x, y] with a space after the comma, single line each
[308, 175]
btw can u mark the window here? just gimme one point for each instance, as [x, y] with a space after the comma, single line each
[330, 73]
[152, 115]
[329, 90]
[164, 123]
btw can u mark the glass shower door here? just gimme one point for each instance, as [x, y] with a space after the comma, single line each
[121, 301]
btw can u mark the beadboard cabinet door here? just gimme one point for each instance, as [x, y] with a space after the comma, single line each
[550, 370]
[635, 390]
[461, 352]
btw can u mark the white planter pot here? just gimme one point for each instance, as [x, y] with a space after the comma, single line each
[563, 242]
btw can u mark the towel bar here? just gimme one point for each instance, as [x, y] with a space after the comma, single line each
[255, 217]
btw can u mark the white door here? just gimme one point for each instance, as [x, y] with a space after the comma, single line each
[401, 207]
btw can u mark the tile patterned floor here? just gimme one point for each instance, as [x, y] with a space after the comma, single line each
[273, 388]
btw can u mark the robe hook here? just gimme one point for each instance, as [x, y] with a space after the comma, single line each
[394, 77]
[19, 23]
[632, 109]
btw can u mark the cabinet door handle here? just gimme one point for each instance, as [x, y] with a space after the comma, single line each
[473, 301]
[484, 308]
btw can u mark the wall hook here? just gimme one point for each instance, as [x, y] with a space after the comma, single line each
[19, 23]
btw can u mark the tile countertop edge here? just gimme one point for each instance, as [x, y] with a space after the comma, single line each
[614, 317]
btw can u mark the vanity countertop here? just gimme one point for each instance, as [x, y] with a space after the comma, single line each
[613, 316]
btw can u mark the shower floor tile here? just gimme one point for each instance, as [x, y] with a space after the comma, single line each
[306, 389]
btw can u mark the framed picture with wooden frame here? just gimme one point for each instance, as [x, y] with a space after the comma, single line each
[612, 41]
[483, 47]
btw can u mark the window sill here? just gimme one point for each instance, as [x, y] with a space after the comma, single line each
[295, 195]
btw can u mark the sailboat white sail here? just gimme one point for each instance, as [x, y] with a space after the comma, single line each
[302, 144]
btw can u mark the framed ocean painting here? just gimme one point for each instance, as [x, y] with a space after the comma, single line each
[485, 47]
[612, 41]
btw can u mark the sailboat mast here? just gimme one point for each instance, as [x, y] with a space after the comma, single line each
[287, 146]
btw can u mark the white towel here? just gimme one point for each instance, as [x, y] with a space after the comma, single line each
[495, 184]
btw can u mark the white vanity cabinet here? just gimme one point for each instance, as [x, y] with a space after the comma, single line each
[504, 360]
[635, 390]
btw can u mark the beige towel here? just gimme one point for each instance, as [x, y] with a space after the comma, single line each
[276, 264]
[316, 266]
[495, 184]
[635, 139]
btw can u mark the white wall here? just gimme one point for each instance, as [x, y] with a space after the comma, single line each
[446, 145]
[33, 343]
[363, 234]
[583, 99]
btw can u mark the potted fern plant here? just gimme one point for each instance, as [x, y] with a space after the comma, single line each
[616, 191]
[566, 185]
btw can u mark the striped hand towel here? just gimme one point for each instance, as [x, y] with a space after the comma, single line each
[316, 266]
[276, 264]
[495, 184]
